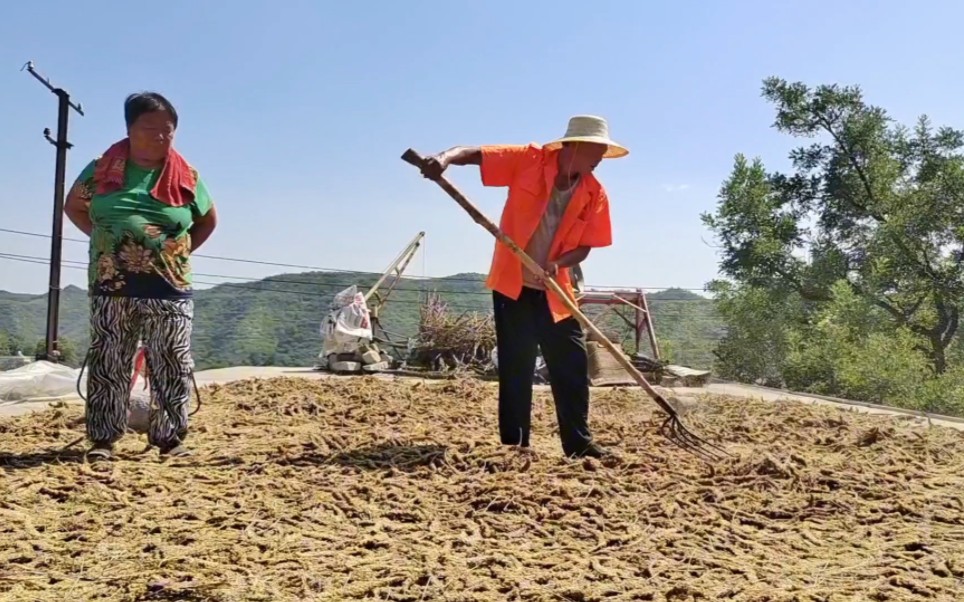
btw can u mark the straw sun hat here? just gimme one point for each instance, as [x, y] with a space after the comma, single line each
[589, 128]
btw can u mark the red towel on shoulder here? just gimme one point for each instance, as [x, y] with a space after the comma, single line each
[175, 186]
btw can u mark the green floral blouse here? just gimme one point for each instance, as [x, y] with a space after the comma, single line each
[139, 247]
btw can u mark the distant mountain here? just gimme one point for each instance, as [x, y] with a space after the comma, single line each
[675, 294]
[276, 321]
[23, 319]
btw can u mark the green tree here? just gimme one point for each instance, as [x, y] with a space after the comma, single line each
[759, 326]
[850, 348]
[68, 352]
[16, 343]
[945, 394]
[869, 203]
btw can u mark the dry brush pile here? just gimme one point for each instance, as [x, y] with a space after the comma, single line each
[366, 489]
[450, 340]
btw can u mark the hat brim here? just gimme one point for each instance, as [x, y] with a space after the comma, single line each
[613, 150]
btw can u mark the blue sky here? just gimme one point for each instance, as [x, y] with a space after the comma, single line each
[296, 115]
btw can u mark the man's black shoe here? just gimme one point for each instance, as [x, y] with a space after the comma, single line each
[591, 451]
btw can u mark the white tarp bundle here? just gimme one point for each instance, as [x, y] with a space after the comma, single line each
[39, 381]
[348, 324]
[541, 374]
[46, 381]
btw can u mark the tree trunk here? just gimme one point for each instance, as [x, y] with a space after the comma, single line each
[943, 333]
[938, 355]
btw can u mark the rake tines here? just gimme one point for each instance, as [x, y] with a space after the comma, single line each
[674, 430]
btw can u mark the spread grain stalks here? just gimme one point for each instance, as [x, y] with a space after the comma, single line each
[370, 489]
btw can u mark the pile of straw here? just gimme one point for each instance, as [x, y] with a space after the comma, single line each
[448, 340]
[368, 489]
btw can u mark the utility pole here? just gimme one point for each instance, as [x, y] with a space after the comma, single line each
[64, 104]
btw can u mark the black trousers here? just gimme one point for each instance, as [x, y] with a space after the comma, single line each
[521, 326]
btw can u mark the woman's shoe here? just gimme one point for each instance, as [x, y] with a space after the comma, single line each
[178, 451]
[100, 452]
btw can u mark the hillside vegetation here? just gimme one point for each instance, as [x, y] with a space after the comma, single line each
[276, 321]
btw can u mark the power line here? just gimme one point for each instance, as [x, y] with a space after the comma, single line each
[343, 271]
[273, 322]
[41, 261]
[253, 261]
[278, 279]
[79, 265]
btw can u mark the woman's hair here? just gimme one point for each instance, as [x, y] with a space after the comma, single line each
[147, 102]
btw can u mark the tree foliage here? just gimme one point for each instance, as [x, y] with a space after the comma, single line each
[755, 345]
[868, 203]
[10, 344]
[845, 273]
[849, 348]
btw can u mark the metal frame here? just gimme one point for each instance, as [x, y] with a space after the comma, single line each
[393, 271]
[641, 323]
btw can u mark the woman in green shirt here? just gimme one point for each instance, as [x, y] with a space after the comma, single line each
[146, 210]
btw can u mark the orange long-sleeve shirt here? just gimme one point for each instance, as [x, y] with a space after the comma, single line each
[529, 172]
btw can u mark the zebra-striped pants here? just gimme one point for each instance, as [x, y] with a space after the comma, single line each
[164, 327]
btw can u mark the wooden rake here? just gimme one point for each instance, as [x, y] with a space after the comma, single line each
[673, 427]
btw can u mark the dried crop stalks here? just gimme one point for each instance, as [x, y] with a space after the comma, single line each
[367, 489]
[453, 341]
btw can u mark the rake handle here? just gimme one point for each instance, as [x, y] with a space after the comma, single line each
[412, 157]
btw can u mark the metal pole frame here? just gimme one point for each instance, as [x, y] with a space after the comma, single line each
[51, 352]
[635, 300]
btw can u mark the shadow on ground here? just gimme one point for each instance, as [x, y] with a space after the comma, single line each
[404, 457]
[384, 456]
[10, 461]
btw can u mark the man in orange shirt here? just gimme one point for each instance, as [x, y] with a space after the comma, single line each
[556, 211]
